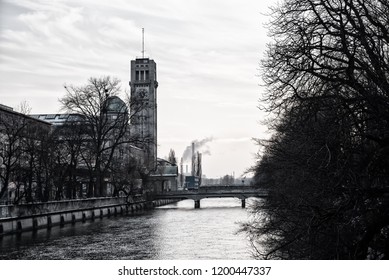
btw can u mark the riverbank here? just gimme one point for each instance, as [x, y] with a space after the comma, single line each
[176, 231]
[34, 216]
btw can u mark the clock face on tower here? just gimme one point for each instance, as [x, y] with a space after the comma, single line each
[143, 92]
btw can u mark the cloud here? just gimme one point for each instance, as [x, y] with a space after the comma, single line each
[234, 140]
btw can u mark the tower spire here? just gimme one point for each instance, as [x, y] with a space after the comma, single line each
[143, 43]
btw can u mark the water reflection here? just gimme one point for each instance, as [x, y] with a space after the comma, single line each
[175, 231]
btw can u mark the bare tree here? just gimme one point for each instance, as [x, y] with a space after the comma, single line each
[326, 164]
[12, 132]
[21, 145]
[125, 177]
[332, 50]
[106, 118]
[67, 144]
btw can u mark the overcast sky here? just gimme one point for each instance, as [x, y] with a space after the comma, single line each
[207, 54]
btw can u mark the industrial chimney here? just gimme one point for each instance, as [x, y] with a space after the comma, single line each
[199, 167]
[193, 160]
[182, 172]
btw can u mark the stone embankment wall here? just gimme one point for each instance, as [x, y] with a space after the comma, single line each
[34, 216]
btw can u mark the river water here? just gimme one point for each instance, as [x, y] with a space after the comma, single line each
[175, 231]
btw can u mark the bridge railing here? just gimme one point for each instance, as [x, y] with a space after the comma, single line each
[201, 191]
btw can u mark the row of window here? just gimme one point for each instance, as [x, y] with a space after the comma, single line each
[141, 117]
[139, 86]
[142, 75]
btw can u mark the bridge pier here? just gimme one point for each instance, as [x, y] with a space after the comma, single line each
[197, 204]
[243, 203]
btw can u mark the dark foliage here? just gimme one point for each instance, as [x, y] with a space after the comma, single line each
[326, 166]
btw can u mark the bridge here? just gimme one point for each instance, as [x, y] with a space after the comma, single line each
[241, 192]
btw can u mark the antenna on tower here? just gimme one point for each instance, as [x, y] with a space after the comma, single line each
[143, 43]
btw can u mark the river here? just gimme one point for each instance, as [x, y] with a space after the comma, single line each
[174, 231]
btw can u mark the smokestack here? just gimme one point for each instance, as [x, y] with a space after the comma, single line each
[181, 172]
[193, 159]
[199, 167]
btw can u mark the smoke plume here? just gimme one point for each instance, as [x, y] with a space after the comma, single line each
[200, 146]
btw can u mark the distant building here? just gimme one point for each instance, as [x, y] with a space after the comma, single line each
[58, 119]
[114, 106]
[192, 182]
[165, 177]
